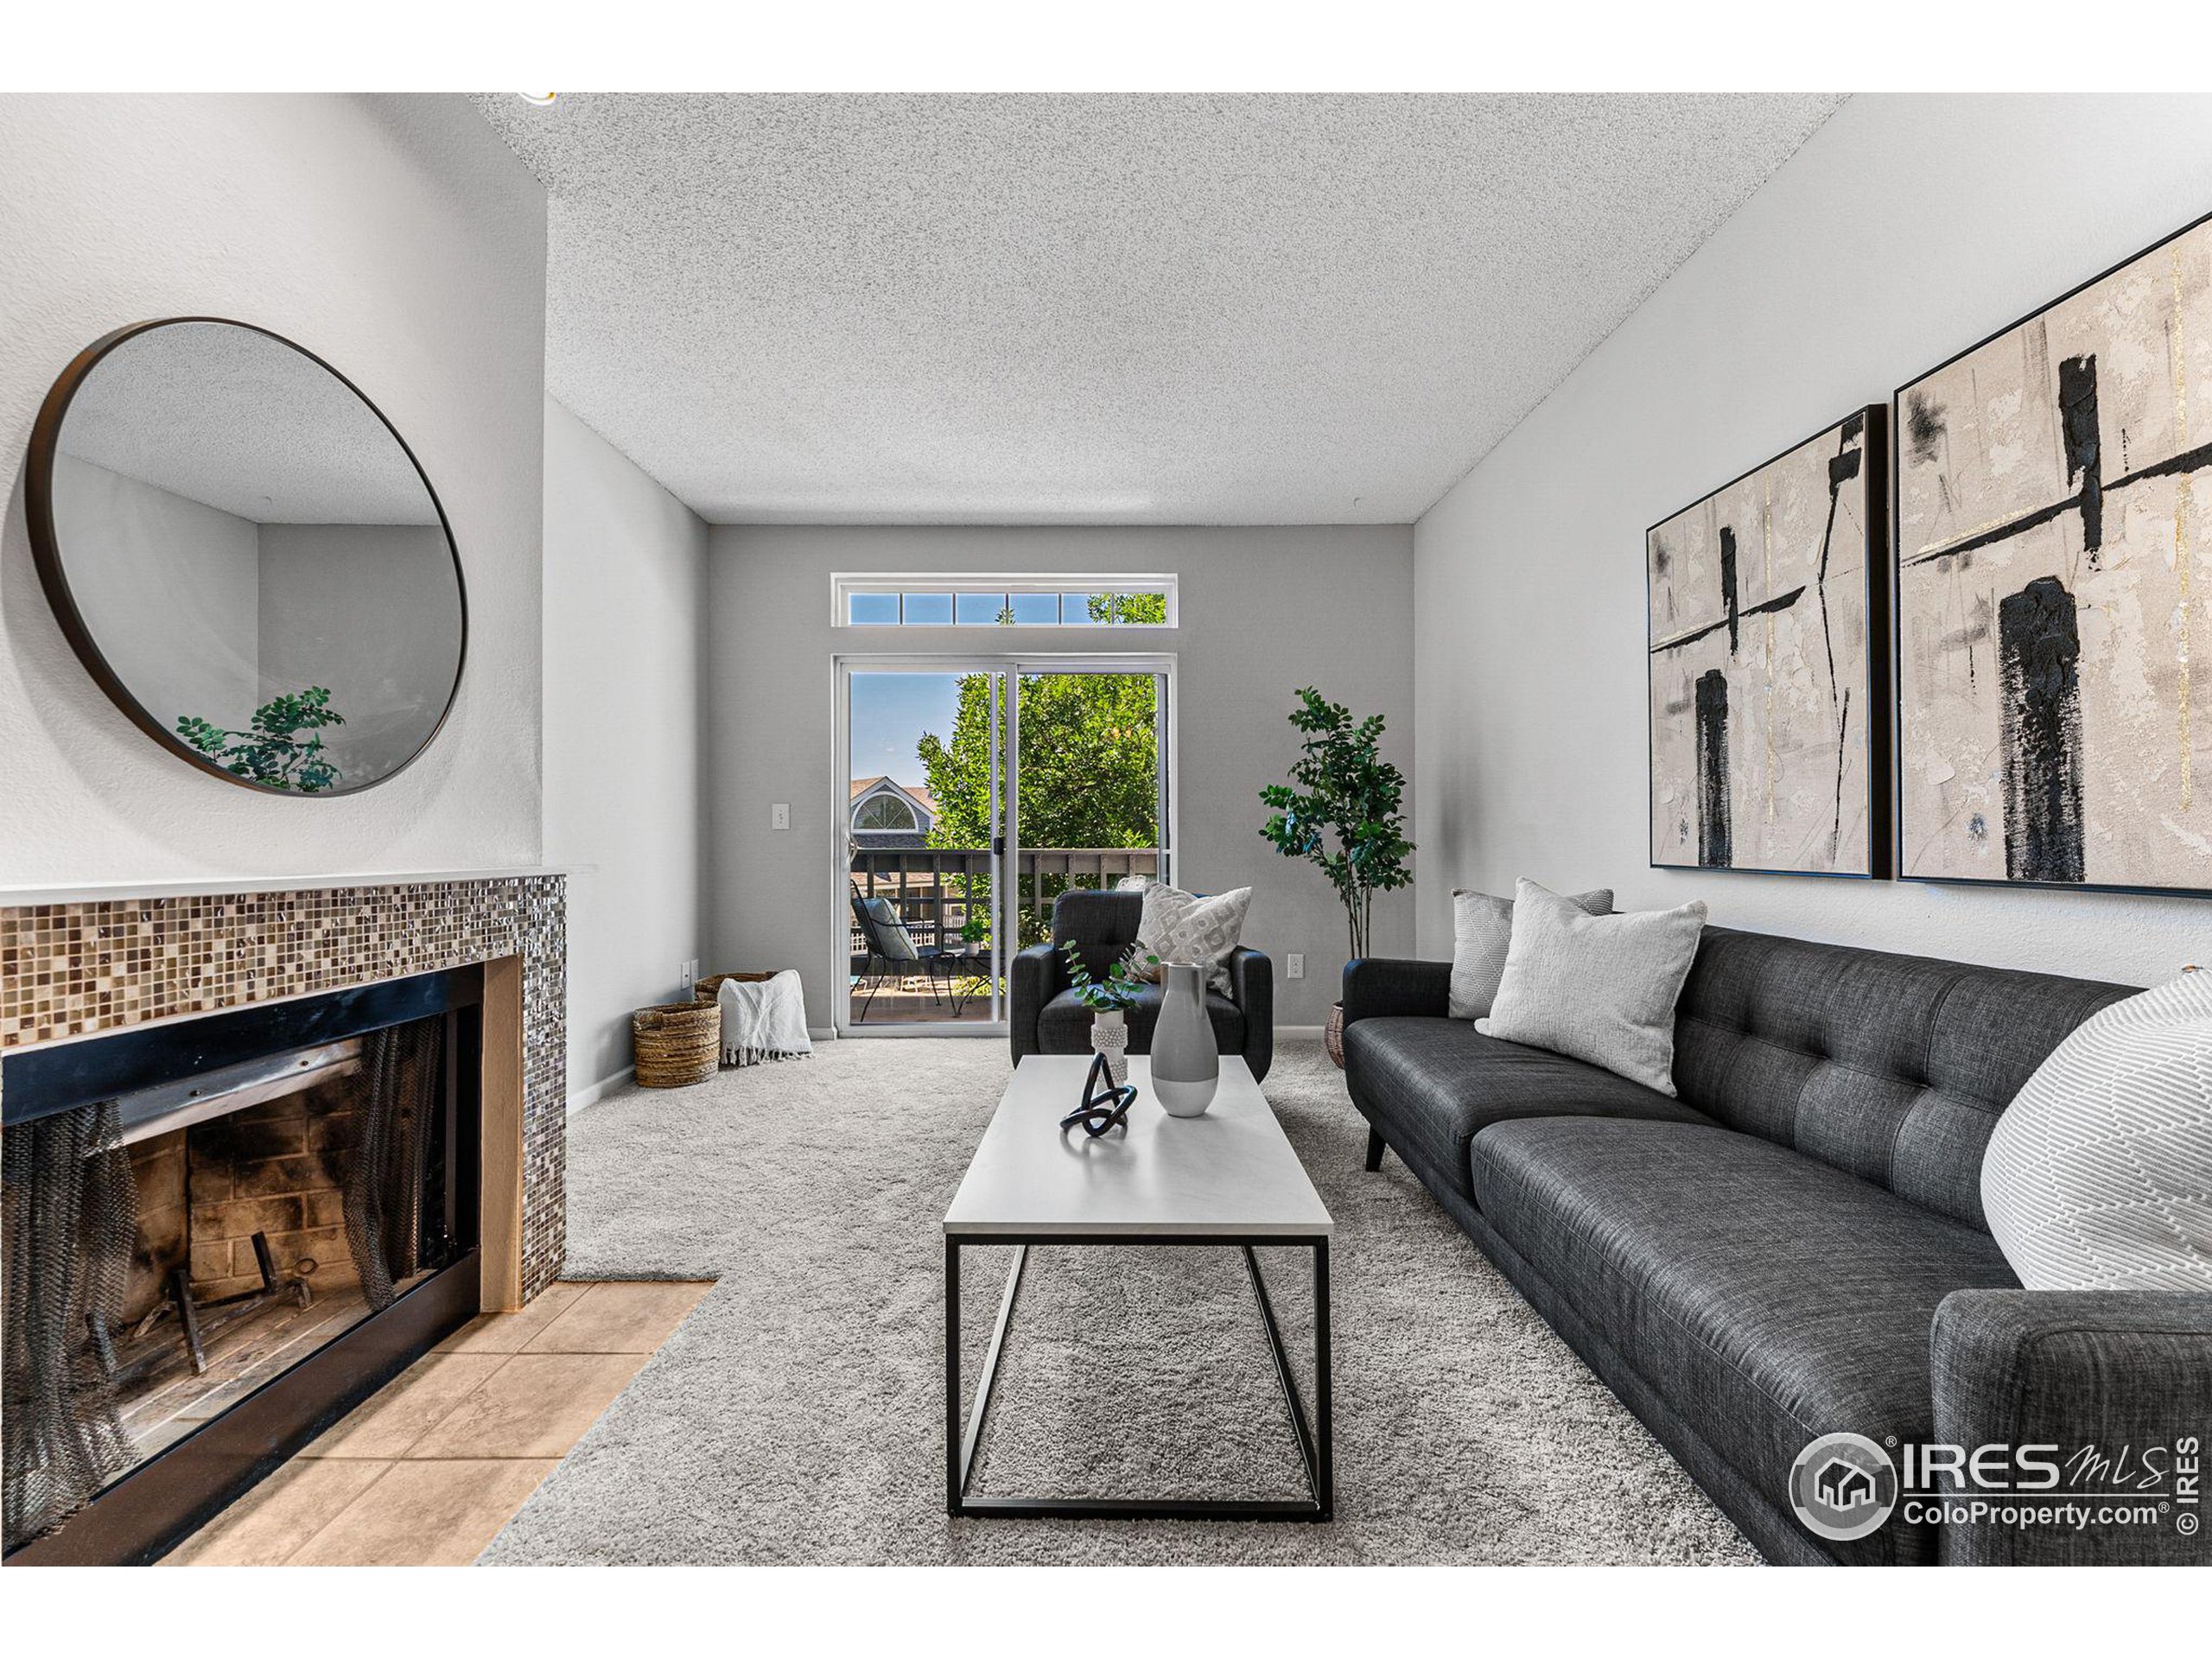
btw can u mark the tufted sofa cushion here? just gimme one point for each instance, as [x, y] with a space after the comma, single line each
[1768, 1297]
[1892, 1068]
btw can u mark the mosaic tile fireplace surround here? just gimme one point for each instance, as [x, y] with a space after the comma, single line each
[73, 971]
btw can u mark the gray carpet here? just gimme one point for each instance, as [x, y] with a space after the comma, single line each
[797, 1416]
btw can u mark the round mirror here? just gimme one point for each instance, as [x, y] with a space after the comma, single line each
[246, 556]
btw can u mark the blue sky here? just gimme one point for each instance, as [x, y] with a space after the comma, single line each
[890, 714]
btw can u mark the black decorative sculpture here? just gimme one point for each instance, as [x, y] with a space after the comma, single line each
[1105, 1106]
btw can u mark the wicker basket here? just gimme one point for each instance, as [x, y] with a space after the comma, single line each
[677, 1044]
[704, 989]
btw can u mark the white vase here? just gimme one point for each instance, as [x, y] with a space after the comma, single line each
[1109, 1035]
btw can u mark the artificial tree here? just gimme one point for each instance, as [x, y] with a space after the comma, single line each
[1342, 809]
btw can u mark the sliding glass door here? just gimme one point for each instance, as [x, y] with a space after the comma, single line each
[973, 792]
[921, 836]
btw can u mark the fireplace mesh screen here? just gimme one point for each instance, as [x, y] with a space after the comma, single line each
[74, 1233]
[398, 1089]
[72, 1223]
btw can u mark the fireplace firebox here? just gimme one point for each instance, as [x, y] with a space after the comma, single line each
[221, 1234]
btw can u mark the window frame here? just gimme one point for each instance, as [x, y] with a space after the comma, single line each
[844, 585]
[885, 797]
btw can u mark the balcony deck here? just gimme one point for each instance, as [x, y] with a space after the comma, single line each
[909, 1003]
[934, 890]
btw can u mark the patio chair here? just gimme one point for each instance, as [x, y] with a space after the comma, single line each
[891, 954]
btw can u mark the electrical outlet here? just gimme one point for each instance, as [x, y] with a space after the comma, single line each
[688, 974]
[1294, 964]
[779, 816]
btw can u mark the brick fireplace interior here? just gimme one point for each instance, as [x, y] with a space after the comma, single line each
[243, 1224]
[215, 1231]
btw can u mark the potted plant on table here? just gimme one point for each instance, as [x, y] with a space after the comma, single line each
[1343, 810]
[1110, 1001]
[975, 936]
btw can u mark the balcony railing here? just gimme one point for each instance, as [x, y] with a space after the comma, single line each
[935, 889]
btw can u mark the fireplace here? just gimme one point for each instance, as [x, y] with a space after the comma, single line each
[221, 1234]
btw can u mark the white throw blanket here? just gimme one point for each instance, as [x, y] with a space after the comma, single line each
[764, 1020]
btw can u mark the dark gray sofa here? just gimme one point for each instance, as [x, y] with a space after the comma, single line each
[1795, 1245]
[1045, 1018]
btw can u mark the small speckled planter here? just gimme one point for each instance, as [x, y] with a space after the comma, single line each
[1109, 1035]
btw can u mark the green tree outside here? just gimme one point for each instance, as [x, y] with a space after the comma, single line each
[1089, 759]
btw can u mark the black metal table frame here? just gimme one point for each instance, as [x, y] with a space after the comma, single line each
[1316, 1446]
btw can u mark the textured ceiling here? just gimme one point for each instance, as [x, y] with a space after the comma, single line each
[236, 420]
[1180, 309]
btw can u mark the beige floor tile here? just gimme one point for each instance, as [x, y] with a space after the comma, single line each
[426, 1514]
[392, 1420]
[534, 1406]
[266, 1526]
[505, 1333]
[625, 1317]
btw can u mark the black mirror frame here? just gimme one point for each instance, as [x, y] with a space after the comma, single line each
[46, 552]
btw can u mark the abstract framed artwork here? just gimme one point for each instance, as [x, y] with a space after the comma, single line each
[2054, 504]
[1768, 666]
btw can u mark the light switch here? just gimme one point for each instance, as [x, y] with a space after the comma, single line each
[779, 816]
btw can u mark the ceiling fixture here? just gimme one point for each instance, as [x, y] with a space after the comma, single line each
[539, 98]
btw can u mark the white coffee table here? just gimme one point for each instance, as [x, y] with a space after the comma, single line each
[1228, 1179]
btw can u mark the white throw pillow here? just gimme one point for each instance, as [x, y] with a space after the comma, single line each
[1179, 927]
[2099, 1175]
[1601, 989]
[1481, 928]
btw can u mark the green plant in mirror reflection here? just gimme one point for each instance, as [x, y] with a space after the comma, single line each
[272, 753]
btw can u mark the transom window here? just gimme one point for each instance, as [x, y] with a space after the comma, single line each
[929, 601]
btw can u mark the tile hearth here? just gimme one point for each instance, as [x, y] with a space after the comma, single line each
[428, 1472]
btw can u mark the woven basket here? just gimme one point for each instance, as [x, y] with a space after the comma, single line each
[676, 1043]
[704, 989]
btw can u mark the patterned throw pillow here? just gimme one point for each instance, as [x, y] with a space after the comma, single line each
[2099, 1176]
[1179, 927]
[1481, 928]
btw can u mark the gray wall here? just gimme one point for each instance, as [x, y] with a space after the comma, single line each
[171, 570]
[625, 616]
[400, 239]
[1263, 611]
[369, 611]
[1907, 228]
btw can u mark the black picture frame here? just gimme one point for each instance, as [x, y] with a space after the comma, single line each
[1897, 565]
[1880, 700]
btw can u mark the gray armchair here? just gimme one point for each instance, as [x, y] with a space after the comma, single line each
[1046, 1018]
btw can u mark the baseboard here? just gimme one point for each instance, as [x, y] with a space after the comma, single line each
[592, 1094]
[1298, 1031]
[822, 1033]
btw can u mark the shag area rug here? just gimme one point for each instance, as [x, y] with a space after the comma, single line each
[797, 1416]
